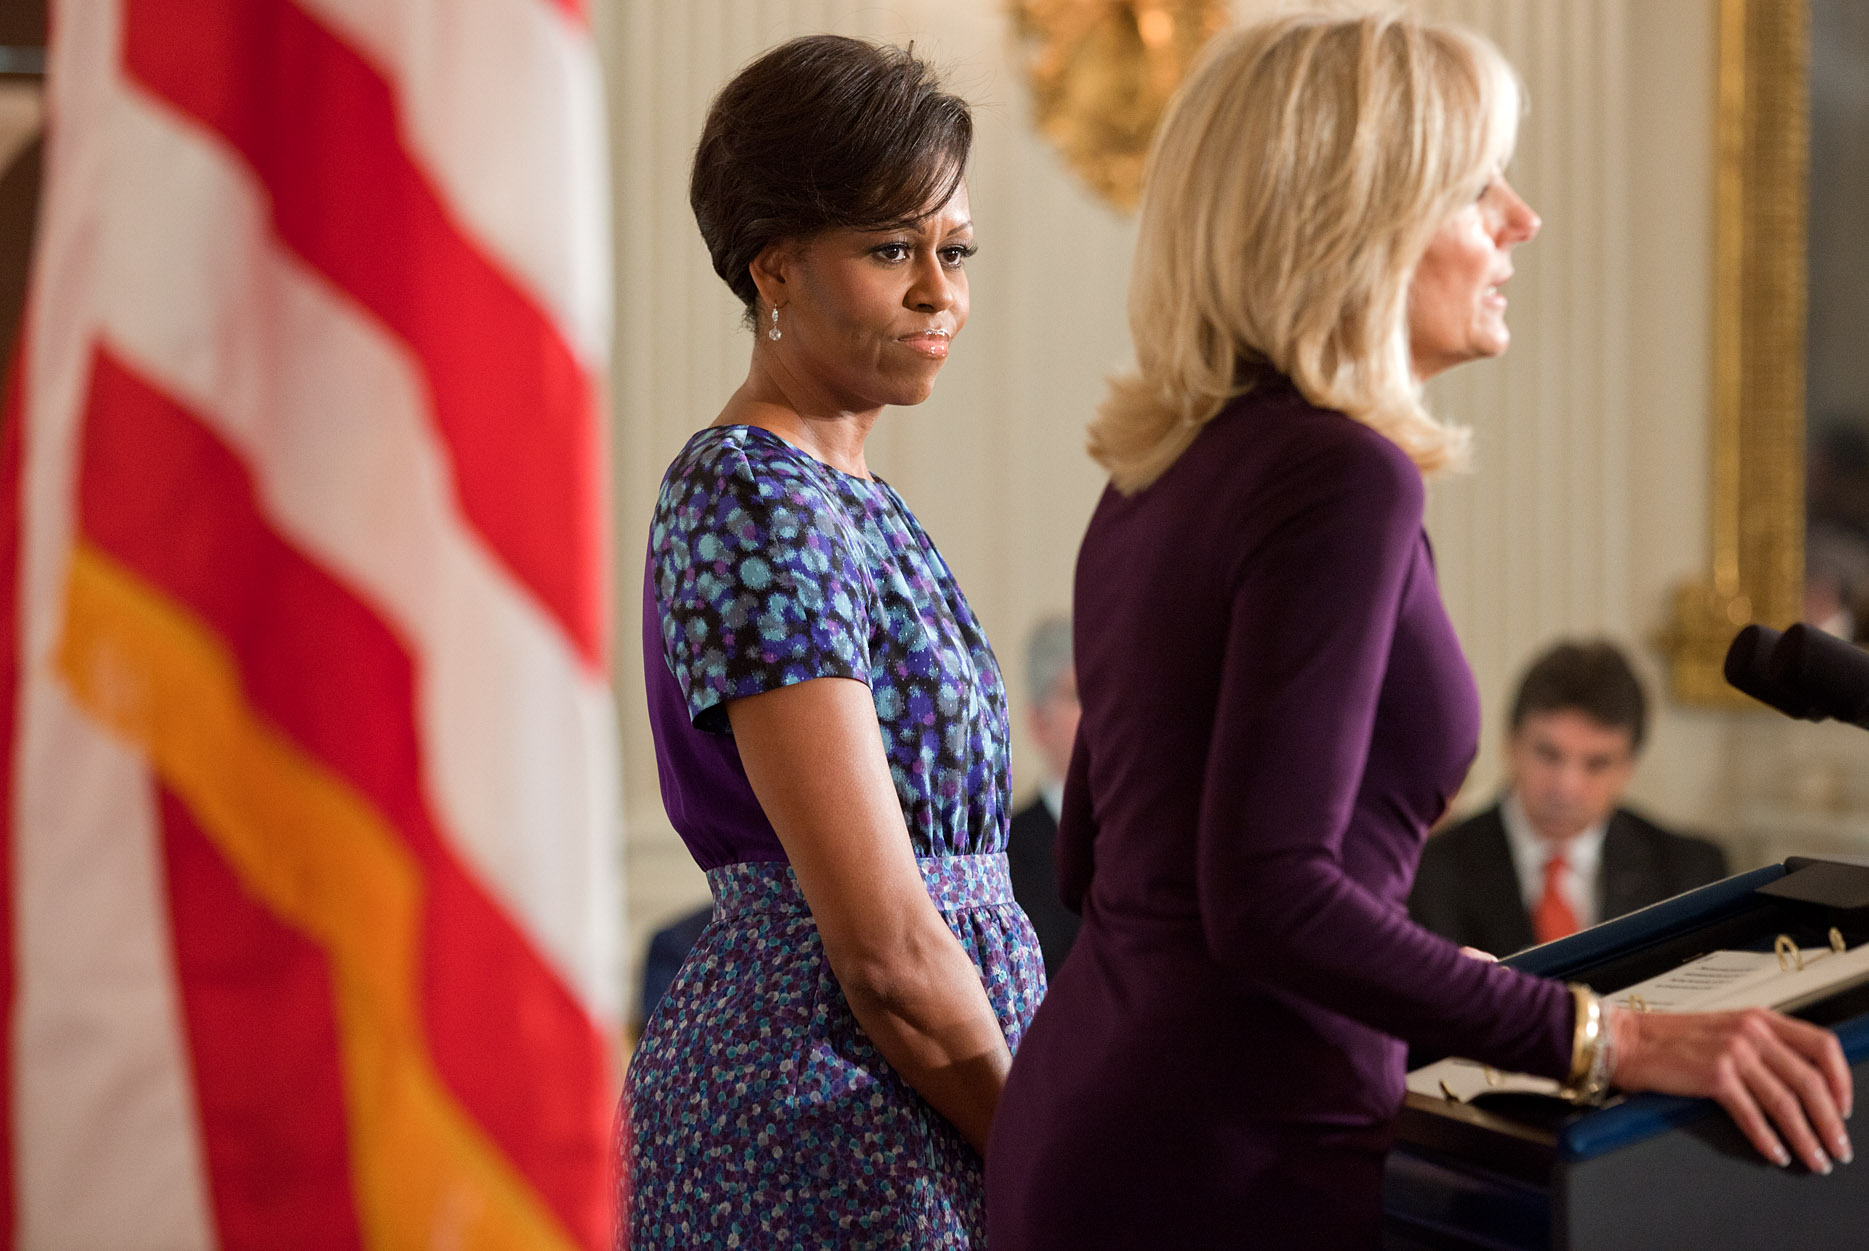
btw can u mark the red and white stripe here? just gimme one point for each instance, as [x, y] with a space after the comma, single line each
[320, 310]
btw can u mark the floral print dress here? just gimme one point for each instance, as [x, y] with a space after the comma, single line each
[757, 1113]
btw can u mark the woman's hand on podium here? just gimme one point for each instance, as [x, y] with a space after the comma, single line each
[1765, 1069]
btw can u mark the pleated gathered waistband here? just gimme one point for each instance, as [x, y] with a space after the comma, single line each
[953, 882]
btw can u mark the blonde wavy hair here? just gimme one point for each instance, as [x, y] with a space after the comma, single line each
[1295, 182]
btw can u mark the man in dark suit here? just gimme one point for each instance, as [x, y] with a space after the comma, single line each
[1051, 683]
[1557, 853]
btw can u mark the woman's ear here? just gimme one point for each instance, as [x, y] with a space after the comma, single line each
[769, 270]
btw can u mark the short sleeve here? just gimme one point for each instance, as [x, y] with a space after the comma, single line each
[757, 578]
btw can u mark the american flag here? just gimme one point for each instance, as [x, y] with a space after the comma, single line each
[310, 753]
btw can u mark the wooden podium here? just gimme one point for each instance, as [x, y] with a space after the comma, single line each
[1644, 1171]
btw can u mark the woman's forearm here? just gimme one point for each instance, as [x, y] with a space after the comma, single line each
[926, 1011]
[815, 759]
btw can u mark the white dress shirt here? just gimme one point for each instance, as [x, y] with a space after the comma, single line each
[1583, 856]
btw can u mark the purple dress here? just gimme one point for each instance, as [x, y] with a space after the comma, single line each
[1275, 708]
[758, 1113]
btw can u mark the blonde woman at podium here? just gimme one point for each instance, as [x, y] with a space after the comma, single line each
[1275, 706]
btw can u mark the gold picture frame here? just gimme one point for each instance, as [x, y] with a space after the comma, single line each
[1101, 74]
[1757, 500]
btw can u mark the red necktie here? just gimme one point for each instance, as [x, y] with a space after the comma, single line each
[1554, 917]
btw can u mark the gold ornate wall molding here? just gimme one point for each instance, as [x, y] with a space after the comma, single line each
[1101, 73]
[1758, 347]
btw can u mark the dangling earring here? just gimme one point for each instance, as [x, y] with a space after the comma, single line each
[773, 333]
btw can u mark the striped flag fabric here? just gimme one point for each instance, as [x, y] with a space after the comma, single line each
[309, 751]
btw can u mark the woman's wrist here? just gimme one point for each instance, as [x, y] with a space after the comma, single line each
[1623, 1027]
[1593, 1047]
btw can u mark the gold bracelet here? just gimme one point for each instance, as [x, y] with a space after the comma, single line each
[1589, 1049]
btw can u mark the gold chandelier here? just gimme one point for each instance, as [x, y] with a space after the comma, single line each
[1102, 72]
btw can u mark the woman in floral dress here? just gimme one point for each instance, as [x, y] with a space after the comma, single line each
[830, 723]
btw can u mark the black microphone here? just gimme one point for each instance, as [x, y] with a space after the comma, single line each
[1829, 672]
[1803, 672]
[1748, 670]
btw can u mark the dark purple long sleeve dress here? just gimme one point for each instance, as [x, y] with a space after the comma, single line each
[1275, 710]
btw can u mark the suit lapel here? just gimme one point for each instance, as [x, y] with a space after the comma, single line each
[1628, 870]
[1495, 900]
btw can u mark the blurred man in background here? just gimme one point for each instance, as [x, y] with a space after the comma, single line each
[1051, 684]
[1557, 853]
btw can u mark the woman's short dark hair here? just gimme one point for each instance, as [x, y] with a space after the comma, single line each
[823, 132]
[1591, 677]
